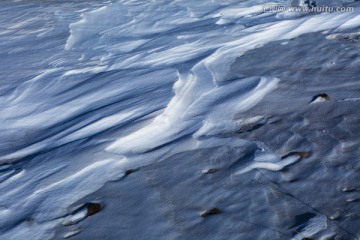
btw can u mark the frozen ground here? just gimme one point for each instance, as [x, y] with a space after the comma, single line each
[178, 120]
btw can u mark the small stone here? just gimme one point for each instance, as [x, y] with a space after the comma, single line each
[324, 96]
[348, 189]
[209, 171]
[84, 211]
[303, 154]
[209, 212]
[320, 98]
[93, 208]
[129, 171]
[300, 154]
[336, 216]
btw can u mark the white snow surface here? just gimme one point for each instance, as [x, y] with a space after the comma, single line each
[125, 84]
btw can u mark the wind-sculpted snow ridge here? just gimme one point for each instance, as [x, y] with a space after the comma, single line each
[146, 85]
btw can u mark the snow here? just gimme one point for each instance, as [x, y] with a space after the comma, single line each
[101, 97]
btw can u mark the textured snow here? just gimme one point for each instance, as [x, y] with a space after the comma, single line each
[165, 109]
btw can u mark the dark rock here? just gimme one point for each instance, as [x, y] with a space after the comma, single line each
[300, 154]
[349, 189]
[129, 171]
[93, 208]
[323, 96]
[209, 171]
[301, 221]
[209, 212]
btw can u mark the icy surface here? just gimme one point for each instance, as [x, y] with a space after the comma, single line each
[164, 109]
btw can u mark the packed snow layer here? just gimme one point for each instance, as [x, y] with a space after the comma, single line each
[94, 95]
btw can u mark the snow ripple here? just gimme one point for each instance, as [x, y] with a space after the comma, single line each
[157, 74]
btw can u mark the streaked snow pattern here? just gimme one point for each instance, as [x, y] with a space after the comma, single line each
[91, 90]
